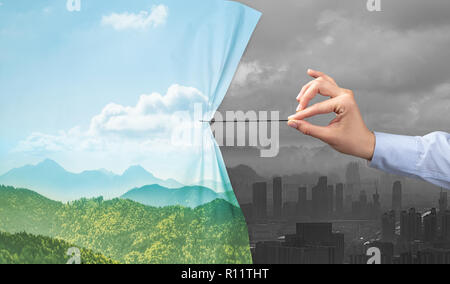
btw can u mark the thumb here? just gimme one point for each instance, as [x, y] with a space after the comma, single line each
[319, 132]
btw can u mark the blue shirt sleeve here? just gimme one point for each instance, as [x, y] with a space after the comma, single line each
[425, 157]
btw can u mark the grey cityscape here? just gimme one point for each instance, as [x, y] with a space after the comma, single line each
[336, 223]
[311, 204]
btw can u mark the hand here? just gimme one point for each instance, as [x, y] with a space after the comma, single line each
[347, 133]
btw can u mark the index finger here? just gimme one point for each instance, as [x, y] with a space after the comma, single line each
[317, 74]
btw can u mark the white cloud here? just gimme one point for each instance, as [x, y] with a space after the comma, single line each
[157, 16]
[148, 124]
[152, 114]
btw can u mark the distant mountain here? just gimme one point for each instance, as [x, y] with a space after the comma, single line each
[50, 179]
[216, 186]
[242, 178]
[188, 196]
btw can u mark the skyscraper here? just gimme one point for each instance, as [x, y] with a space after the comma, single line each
[260, 200]
[430, 226]
[445, 226]
[353, 179]
[404, 226]
[376, 207]
[443, 201]
[320, 199]
[277, 197]
[397, 196]
[339, 199]
[410, 225]
[330, 200]
[388, 226]
[302, 201]
[363, 206]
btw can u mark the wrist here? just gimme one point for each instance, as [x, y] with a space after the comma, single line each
[370, 146]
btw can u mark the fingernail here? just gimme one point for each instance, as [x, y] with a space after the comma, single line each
[299, 108]
[293, 124]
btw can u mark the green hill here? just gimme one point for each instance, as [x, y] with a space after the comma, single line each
[187, 196]
[131, 232]
[23, 248]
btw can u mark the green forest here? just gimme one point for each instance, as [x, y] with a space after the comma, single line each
[129, 232]
[23, 248]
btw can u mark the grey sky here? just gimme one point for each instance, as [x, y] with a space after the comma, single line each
[396, 61]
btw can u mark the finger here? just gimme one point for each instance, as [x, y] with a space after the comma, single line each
[317, 74]
[319, 132]
[320, 86]
[309, 94]
[304, 89]
[324, 107]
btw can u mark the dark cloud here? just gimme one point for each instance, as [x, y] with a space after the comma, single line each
[396, 61]
[391, 61]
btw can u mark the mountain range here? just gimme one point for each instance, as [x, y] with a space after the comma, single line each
[188, 196]
[50, 179]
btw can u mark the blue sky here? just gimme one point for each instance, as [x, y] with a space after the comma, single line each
[62, 71]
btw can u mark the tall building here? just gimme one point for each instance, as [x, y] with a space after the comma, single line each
[410, 225]
[430, 226]
[320, 199]
[376, 207]
[339, 199]
[302, 201]
[330, 200]
[397, 196]
[404, 226]
[445, 226]
[277, 197]
[260, 200]
[353, 179]
[443, 201]
[388, 226]
[348, 202]
[363, 202]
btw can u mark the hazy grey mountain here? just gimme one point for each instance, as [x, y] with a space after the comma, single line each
[189, 196]
[51, 180]
[242, 178]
